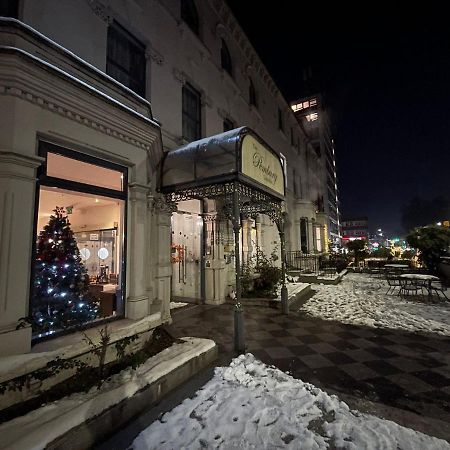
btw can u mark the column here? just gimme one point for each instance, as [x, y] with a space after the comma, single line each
[138, 301]
[160, 255]
[17, 211]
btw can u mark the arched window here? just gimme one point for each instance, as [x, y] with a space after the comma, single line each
[225, 58]
[190, 15]
[252, 93]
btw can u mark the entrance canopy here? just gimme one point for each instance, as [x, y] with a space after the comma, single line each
[221, 162]
[241, 171]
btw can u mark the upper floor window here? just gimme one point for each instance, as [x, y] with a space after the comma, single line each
[252, 94]
[125, 60]
[280, 120]
[225, 58]
[191, 113]
[189, 15]
[9, 8]
[228, 125]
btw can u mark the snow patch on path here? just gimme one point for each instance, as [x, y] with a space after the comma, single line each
[362, 300]
[249, 405]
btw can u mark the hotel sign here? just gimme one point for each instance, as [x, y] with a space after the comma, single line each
[261, 165]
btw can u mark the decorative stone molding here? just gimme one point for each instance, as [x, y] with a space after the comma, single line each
[206, 100]
[100, 10]
[154, 55]
[72, 115]
[179, 75]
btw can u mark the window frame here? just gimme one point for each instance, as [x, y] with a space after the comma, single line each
[187, 87]
[252, 97]
[189, 15]
[10, 9]
[280, 120]
[136, 80]
[44, 147]
[226, 61]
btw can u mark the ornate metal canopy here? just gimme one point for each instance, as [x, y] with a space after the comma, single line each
[239, 169]
[237, 161]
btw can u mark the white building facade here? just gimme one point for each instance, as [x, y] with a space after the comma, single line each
[77, 82]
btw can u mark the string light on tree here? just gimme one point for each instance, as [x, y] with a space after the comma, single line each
[60, 289]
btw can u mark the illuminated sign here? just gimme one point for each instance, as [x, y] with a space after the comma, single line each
[260, 164]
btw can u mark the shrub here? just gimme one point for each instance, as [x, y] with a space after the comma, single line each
[433, 242]
[268, 279]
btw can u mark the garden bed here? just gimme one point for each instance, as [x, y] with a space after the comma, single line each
[88, 417]
[88, 377]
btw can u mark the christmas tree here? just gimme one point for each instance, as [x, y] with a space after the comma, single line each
[60, 289]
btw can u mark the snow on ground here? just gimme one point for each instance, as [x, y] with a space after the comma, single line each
[362, 300]
[249, 405]
[174, 305]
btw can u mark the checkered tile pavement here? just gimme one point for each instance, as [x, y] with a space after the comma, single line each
[404, 370]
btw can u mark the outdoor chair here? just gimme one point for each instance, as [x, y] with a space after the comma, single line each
[438, 287]
[409, 287]
[394, 282]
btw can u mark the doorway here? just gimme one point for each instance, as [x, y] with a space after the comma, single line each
[187, 250]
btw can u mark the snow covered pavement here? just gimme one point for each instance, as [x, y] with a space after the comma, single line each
[362, 300]
[249, 405]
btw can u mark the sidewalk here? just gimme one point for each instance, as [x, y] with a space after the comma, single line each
[400, 376]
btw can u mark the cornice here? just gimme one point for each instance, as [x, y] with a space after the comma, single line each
[19, 79]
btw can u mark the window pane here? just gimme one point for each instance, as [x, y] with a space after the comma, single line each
[191, 114]
[59, 166]
[190, 15]
[126, 61]
[78, 269]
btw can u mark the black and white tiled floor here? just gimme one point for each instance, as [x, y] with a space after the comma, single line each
[400, 369]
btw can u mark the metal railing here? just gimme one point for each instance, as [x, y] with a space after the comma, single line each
[303, 262]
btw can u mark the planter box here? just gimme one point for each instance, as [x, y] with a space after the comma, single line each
[82, 420]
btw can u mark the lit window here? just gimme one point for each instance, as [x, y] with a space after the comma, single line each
[78, 270]
[313, 102]
[311, 117]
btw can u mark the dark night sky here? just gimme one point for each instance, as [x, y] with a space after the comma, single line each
[386, 76]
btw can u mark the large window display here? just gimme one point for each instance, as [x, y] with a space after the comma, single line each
[78, 273]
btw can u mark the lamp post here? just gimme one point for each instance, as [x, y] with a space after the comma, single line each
[239, 336]
[284, 291]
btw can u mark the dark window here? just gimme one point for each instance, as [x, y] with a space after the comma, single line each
[252, 94]
[304, 235]
[125, 60]
[228, 125]
[9, 8]
[225, 58]
[191, 113]
[189, 15]
[280, 120]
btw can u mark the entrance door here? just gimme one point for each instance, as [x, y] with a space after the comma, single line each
[186, 256]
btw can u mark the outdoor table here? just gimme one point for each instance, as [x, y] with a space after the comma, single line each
[426, 279]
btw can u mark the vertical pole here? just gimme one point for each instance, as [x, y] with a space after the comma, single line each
[239, 338]
[284, 291]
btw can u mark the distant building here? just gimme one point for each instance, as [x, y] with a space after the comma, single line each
[355, 228]
[312, 115]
